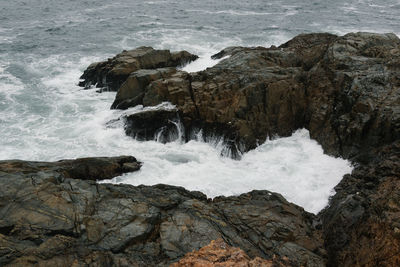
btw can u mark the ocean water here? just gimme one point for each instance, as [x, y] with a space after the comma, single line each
[45, 46]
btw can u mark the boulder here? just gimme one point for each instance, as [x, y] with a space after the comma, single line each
[112, 73]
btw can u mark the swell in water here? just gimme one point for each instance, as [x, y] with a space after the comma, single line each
[45, 46]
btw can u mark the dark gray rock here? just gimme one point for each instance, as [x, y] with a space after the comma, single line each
[345, 90]
[47, 218]
[160, 124]
[131, 92]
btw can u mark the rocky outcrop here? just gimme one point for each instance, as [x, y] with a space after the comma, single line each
[112, 73]
[218, 253]
[49, 218]
[362, 223]
[345, 90]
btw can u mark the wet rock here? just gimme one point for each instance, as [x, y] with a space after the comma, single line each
[131, 92]
[160, 124]
[345, 90]
[47, 217]
[111, 74]
[354, 94]
[218, 253]
[99, 168]
[362, 221]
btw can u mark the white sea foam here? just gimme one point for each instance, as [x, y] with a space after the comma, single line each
[294, 166]
[202, 63]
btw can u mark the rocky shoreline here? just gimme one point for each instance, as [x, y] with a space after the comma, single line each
[344, 89]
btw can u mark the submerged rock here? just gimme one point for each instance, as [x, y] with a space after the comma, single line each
[49, 218]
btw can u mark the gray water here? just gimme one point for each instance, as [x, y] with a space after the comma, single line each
[46, 44]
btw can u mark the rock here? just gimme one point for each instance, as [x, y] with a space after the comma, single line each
[160, 124]
[131, 92]
[345, 90]
[218, 253]
[362, 221]
[354, 94]
[111, 74]
[50, 218]
[100, 168]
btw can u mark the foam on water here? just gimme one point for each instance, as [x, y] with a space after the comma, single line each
[294, 166]
[202, 63]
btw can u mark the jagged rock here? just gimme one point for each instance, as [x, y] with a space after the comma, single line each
[361, 224]
[131, 92]
[354, 94]
[160, 124]
[345, 90]
[48, 218]
[112, 73]
[218, 253]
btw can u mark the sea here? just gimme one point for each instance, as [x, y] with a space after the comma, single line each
[45, 45]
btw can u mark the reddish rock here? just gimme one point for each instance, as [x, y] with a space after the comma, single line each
[220, 254]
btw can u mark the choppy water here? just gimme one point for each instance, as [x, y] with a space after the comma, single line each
[45, 45]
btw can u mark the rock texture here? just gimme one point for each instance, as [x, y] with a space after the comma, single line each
[83, 168]
[48, 218]
[160, 124]
[362, 223]
[220, 254]
[112, 73]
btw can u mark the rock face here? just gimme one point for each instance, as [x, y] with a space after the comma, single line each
[218, 253]
[48, 218]
[113, 72]
[362, 223]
